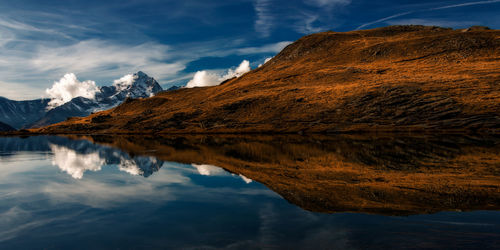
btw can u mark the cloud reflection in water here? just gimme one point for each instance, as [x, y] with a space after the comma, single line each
[211, 170]
[73, 163]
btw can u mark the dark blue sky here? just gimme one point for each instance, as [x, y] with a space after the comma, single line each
[40, 41]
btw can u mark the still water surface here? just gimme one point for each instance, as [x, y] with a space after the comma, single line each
[249, 193]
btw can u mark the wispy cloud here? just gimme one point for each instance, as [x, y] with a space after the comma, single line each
[265, 19]
[465, 4]
[305, 23]
[384, 19]
[327, 3]
[32, 55]
[304, 17]
[267, 48]
[33, 64]
[92, 59]
[11, 90]
[109, 58]
[425, 10]
[9, 25]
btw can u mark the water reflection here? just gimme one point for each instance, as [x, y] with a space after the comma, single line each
[227, 192]
[76, 161]
[75, 164]
[76, 157]
[211, 170]
[208, 170]
[374, 174]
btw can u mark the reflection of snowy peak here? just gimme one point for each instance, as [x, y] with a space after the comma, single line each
[138, 85]
[148, 165]
[76, 157]
[140, 165]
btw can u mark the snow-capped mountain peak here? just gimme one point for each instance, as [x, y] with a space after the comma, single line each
[25, 114]
[137, 85]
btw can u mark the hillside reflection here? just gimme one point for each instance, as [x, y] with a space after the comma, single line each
[372, 174]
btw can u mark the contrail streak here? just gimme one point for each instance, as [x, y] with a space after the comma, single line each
[430, 9]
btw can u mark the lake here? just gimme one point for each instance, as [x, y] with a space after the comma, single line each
[250, 192]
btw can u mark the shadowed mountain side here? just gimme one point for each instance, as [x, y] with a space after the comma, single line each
[397, 78]
[6, 127]
[370, 174]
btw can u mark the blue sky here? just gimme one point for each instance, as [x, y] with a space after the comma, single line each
[40, 41]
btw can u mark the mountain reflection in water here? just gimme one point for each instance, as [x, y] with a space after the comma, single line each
[75, 157]
[373, 174]
[383, 175]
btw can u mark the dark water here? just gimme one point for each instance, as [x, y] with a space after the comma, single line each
[149, 193]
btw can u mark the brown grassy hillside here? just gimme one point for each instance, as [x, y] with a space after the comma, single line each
[396, 78]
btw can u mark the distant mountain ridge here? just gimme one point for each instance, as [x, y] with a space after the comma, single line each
[19, 114]
[36, 113]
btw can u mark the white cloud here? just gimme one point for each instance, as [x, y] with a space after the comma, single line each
[243, 68]
[124, 82]
[265, 61]
[75, 164]
[208, 170]
[206, 79]
[69, 87]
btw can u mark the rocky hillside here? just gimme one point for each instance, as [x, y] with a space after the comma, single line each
[398, 78]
